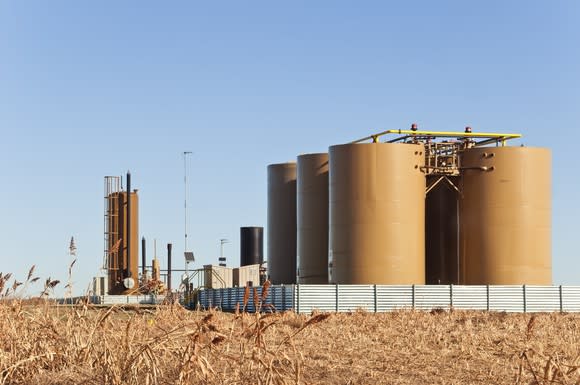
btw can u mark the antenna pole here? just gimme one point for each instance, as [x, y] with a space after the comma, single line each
[222, 259]
[185, 153]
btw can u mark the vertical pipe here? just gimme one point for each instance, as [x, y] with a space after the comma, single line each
[487, 296]
[298, 299]
[451, 296]
[143, 257]
[169, 267]
[128, 221]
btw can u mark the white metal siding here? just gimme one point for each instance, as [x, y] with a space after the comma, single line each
[394, 297]
[316, 297]
[356, 297]
[506, 298]
[469, 297]
[430, 297]
[381, 298]
[542, 298]
[571, 298]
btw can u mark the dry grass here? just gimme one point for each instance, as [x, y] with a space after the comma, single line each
[170, 345]
[45, 344]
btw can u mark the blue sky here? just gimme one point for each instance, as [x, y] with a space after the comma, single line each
[89, 89]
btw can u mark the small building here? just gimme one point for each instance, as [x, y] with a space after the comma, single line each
[246, 276]
[217, 277]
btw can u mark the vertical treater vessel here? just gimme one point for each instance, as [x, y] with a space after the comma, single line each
[377, 214]
[505, 211]
[312, 218]
[282, 223]
[122, 241]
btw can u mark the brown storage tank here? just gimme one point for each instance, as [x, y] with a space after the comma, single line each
[377, 214]
[442, 232]
[133, 264]
[123, 261]
[312, 218]
[282, 223]
[505, 216]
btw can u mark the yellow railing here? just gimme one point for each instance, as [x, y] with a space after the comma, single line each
[417, 134]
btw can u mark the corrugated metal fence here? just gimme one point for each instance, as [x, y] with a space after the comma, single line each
[382, 298]
[278, 298]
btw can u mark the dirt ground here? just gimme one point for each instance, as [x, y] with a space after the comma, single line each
[442, 348]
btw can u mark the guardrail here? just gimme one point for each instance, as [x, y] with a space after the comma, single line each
[383, 298]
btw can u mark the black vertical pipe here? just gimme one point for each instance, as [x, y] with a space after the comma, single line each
[169, 267]
[143, 256]
[128, 237]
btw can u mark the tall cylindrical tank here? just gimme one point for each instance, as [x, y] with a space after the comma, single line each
[114, 229]
[377, 214]
[312, 218]
[129, 221]
[251, 245]
[442, 231]
[282, 223]
[505, 211]
[132, 237]
[122, 241]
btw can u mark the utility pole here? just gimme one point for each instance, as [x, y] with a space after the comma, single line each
[185, 153]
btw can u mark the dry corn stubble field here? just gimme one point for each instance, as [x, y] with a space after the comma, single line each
[42, 344]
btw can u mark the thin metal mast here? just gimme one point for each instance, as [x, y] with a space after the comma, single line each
[222, 259]
[185, 153]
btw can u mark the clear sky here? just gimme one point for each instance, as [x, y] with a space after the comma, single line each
[89, 89]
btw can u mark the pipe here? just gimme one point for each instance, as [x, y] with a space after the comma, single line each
[128, 237]
[478, 168]
[143, 257]
[169, 267]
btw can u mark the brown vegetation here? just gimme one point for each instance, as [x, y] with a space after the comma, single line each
[42, 343]
[170, 345]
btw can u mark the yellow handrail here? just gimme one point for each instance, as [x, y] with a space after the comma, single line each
[492, 137]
